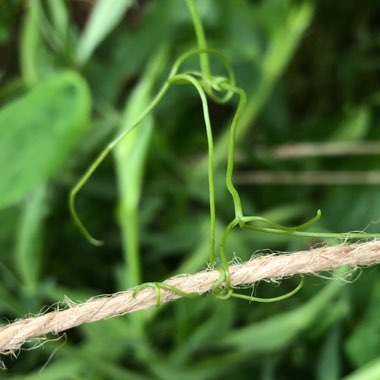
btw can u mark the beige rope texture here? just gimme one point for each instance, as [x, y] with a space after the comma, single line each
[271, 267]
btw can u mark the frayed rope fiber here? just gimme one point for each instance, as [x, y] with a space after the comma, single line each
[271, 267]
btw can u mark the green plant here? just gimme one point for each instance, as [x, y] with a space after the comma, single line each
[308, 78]
[220, 89]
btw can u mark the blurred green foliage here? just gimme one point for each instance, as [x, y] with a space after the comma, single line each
[74, 73]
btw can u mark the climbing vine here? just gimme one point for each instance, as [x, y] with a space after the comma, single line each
[220, 89]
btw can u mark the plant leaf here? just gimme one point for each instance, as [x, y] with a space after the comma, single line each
[364, 343]
[38, 131]
[28, 250]
[368, 372]
[276, 333]
[104, 17]
[354, 126]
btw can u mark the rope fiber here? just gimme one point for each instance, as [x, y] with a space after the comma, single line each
[272, 267]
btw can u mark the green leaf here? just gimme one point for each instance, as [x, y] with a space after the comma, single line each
[101, 367]
[30, 238]
[60, 17]
[211, 329]
[329, 363]
[8, 303]
[369, 372]
[66, 369]
[38, 132]
[364, 343]
[130, 155]
[354, 126]
[104, 17]
[276, 333]
[31, 48]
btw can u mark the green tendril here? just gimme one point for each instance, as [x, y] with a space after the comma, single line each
[273, 299]
[222, 287]
[99, 159]
[201, 38]
[280, 227]
[157, 286]
[188, 78]
[231, 149]
[221, 90]
[172, 79]
[209, 83]
[325, 235]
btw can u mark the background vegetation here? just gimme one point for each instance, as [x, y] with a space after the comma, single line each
[74, 73]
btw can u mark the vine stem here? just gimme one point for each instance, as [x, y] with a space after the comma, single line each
[188, 78]
[207, 84]
[106, 151]
[99, 159]
[201, 40]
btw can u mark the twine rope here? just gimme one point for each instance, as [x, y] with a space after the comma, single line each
[272, 267]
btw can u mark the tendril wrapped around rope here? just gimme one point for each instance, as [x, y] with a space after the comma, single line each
[220, 89]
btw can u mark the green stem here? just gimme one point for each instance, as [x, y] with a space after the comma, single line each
[303, 226]
[183, 78]
[157, 286]
[130, 239]
[78, 186]
[225, 276]
[201, 40]
[29, 47]
[231, 149]
[103, 154]
[272, 299]
[223, 243]
[325, 235]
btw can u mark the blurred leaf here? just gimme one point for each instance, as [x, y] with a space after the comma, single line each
[38, 132]
[128, 50]
[199, 256]
[60, 17]
[11, 89]
[8, 302]
[104, 17]
[8, 13]
[212, 329]
[30, 238]
[58, 32]
[130, 155]
[115, 335]
[329, 363]
[363, 344]
[44, 42]
[9, 218]
[95, 366]
[368, 372]
[59, 370]
[30, 48]
[276, 333]
[354, 126]
[352, 208]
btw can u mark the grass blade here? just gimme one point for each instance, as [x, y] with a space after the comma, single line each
[104, 17]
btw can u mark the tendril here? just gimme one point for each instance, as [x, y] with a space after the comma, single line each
[221, 90]
[272, 299]
[157, 286]
[173, 79]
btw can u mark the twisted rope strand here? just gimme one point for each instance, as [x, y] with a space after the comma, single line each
[272, 267]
